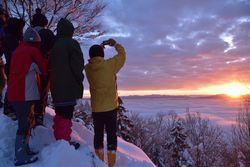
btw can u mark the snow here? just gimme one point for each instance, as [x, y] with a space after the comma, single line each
[54, 153]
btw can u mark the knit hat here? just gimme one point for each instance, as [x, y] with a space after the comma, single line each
[31, 35]
[96, 51]
[65, 28]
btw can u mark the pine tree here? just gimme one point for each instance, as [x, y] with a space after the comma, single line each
[157, 158]
[241, 133]
[124, 124]
[178, 144]
[82, 114]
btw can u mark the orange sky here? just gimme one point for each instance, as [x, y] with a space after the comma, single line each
[233, 89]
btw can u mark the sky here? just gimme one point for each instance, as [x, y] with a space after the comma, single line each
[180, 46]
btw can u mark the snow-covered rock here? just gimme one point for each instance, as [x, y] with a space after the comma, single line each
[54, 153]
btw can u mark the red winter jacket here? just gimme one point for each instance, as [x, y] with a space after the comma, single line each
[26, 62]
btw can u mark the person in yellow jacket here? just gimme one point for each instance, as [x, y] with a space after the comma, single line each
[101, 75]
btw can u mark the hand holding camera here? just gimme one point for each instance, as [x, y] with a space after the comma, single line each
[110, 42]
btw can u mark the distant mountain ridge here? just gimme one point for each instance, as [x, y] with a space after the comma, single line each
[177, 96]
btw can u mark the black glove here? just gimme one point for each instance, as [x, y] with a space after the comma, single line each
[110, 42]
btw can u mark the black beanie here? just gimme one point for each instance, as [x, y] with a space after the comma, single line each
[96, 51]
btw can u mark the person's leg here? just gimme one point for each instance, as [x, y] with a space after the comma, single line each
[42, 103]
[23, 154]
[98, 130]
[62, 122]
[38, 113]
[44, 91]
[8, 109]
[23, 111]
[98, 134]
[111, 128]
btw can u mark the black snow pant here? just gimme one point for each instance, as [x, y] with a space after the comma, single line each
[65, 111]
[25, 116]
[109, 121]
[44, 88]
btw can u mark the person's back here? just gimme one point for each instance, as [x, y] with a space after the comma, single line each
[66, 65]
[101, 75]
[22, 84]
[66, 77]
[39, 22]
[13, 35]
[23, 91]
[48, 40]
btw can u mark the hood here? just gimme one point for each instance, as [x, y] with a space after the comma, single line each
[65, 28]
[15, 26]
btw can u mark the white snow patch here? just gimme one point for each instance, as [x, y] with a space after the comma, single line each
[54, 153]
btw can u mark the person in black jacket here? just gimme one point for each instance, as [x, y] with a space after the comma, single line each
[13, 35]
[66, 66]
[39, 22]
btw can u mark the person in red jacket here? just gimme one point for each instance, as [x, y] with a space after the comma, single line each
[23, 91]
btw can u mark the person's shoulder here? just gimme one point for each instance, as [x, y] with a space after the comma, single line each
[45, 30]
[87, 68]
[74, 42]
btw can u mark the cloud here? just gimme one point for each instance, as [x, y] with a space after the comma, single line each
[179, 44]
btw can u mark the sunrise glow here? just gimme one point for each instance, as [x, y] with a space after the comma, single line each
[232, 89]
[235, 90]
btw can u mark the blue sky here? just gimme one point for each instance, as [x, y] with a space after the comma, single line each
[180, 44]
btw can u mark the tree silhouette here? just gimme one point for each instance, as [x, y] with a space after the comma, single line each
[82, 13]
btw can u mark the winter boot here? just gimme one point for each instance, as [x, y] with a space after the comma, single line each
[75, 144]
[23, 155]
[29, 152]
[111, 158]
[100, 153]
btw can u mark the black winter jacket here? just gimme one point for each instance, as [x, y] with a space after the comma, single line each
[66, 65]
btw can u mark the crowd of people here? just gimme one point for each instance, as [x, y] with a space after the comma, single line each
[36, 62]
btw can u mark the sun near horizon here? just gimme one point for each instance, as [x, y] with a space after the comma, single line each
[234, 89]
[231, 89]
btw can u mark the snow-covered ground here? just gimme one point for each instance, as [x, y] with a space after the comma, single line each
[219, 109]
[60, 153]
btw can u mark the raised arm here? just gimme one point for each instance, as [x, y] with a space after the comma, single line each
[118, 60]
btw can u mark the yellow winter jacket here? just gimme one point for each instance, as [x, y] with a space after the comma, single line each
[101, 75]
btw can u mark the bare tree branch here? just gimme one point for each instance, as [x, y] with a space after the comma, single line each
[82, 12]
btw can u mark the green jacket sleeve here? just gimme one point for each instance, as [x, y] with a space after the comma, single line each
[77, 62]
[118, 60]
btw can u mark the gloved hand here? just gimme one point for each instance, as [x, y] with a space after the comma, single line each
[110, 42]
